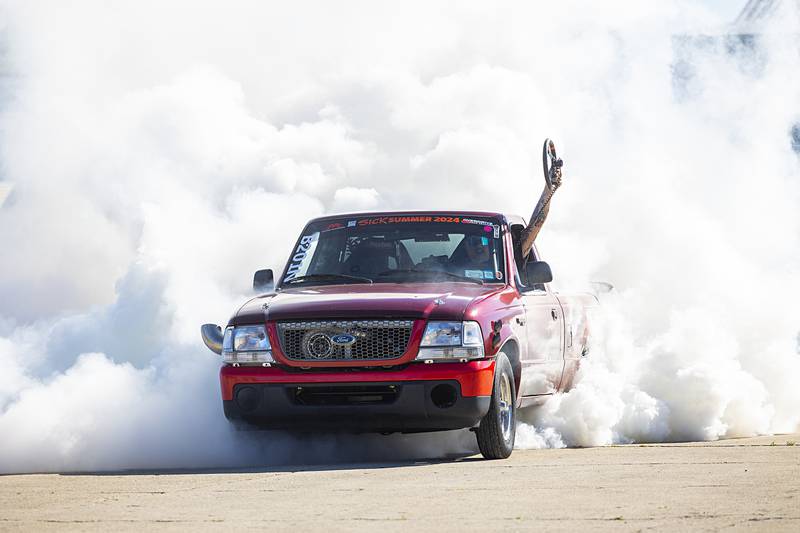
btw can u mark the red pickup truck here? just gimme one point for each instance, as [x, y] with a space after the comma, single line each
[402, 322]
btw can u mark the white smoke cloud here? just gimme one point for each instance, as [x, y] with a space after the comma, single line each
[158, 159]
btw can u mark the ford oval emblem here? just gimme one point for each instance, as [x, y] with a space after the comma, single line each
[343, 339]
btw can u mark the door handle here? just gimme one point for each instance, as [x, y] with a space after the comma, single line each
[554, 314]
[520, 321]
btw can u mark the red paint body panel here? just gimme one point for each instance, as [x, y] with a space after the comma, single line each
[476, 377]
[387, 300]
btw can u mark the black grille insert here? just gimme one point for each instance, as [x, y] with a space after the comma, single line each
[345, 394]
[342, 340]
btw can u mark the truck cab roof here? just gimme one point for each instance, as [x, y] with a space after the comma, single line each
[508, 218]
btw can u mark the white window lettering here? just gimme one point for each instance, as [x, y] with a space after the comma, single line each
[298, 264]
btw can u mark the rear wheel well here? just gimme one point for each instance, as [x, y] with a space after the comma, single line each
[511, 349]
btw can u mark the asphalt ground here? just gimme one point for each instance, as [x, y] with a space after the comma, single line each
[737, 484]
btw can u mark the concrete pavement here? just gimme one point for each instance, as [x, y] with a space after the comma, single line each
[751, 484]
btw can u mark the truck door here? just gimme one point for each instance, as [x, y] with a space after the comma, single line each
[541, 372]
[543, 357]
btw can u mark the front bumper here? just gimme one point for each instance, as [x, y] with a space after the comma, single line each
[417, 398]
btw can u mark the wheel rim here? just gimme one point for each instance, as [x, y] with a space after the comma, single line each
[506, 407]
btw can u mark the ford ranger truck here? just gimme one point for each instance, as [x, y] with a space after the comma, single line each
[402, 322]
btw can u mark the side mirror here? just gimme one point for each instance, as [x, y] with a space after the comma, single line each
[601, 287]
[263, 280]
[538, 272]
[212, 337]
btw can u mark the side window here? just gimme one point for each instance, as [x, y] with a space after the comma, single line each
[519, 259]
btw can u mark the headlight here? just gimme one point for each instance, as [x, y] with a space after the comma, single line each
[447, 341]
[442, 334]
[250, 338]
[472, 335]
[246, 344]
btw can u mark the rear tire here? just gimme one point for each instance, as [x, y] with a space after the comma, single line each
[496, 431]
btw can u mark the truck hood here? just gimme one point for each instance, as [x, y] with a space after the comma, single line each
[438, 301]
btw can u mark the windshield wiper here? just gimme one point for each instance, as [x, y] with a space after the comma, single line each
[428, 272]
[328, 277]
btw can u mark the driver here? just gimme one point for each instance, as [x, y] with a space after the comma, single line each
[478, 254]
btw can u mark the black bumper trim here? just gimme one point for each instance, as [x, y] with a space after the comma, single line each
[405, 406]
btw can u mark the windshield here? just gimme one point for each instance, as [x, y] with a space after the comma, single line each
[393, 249]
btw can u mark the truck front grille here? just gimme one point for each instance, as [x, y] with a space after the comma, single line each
[342, 340]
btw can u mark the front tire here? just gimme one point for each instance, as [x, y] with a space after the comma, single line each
[497, 429]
